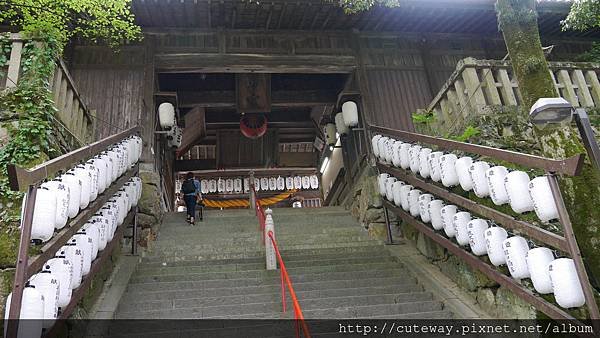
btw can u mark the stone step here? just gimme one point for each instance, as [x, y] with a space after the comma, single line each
[308, 300]
[258, 265]
[294, 272]
[249, 293]
[288, 255]
[186, 309]
[256, 286]
[199, 232]
[254, 237]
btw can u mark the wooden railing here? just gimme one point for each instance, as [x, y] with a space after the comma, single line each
[477, 84]
[72, 111]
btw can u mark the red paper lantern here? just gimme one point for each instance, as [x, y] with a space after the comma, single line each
[253, 126]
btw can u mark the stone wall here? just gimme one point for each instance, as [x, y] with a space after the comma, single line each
[150, 208]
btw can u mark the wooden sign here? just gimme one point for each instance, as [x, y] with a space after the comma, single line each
[253, 93]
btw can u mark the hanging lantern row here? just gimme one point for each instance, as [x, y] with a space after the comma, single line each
[168, 121]
[343, 121]
[485, 180]
[62, 198]
[549, 275]
[242, 185]
[49, 291]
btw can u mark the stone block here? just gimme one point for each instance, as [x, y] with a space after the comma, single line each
[486, 299]
[429, 248]
[512, 306]
[146, 221]
[377, 230]
[374, 216]
[466, 277]
[147, 236]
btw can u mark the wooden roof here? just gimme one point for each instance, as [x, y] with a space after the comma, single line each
[427, 16]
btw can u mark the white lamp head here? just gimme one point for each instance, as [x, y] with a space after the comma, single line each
[551, 110]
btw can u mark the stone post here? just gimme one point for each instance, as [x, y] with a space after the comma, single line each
[269, 247]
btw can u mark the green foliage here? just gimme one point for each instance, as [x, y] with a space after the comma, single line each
[31, 102]
[107, 21]
[425, 118]
[356, 6]
[592, 55]
[469, 133]
[584, 15]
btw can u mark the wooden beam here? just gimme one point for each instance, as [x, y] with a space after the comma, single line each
[269, 17]
[226, 99]
[244, 63]
[194, 131]
[281, 15]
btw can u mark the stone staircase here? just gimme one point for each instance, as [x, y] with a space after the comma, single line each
[216, 270]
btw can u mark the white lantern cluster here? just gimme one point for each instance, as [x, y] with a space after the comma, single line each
[344, 120]
[240, 185]
[50, 289]
[485, 180]
[62, 198]
[476, 234]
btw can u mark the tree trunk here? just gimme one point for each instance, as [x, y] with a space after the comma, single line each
[518, 21]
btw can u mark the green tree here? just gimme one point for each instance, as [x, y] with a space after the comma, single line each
[584, 15]
[107, 21]
[355, 6]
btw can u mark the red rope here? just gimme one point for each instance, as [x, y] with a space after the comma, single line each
[285, 278]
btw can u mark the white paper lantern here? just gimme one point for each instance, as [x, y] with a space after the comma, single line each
[389, 192]
[538, 260]
[494, 237]
[435, 213]
[62, 194]
[413, 155]
[109, 169]
[247, 184]
[44, 215]
[382, 180]
[166, 115]
[264, 183]
[434, 165]
[305, 182]
[568, 292]
[229, 185]
[104, 226]
[495, 179]
[70, 252]
[448, 170]
[396, 192]
[95, 175]
[86, 185]
[543, 201]
[46, 283]
[375, 145]
[424, 167]
[389, 150]
[212, 186]
[32, 311]
[298, 182]
[314, 182]
[281, 183]
[404, 192]
[289, 183]
[476, 231]
[381, 146]
[91, 229]
[396, 153]
[448, 213]
[330, 134]
[517, 187]
[102, 166]
[413, 202]
[350, 113]
[273, 183]
[404, 155]
[85, 244]
[204, 186]
[62, 269]
[256, 184]
[238, 185]
[515, 251]
[340, 125]
[74, 185]
[460, 221]
[221, 185]
[477, 171]
[424, 200]
[462, 166]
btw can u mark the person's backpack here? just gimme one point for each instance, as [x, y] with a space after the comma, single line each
[188, 186]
